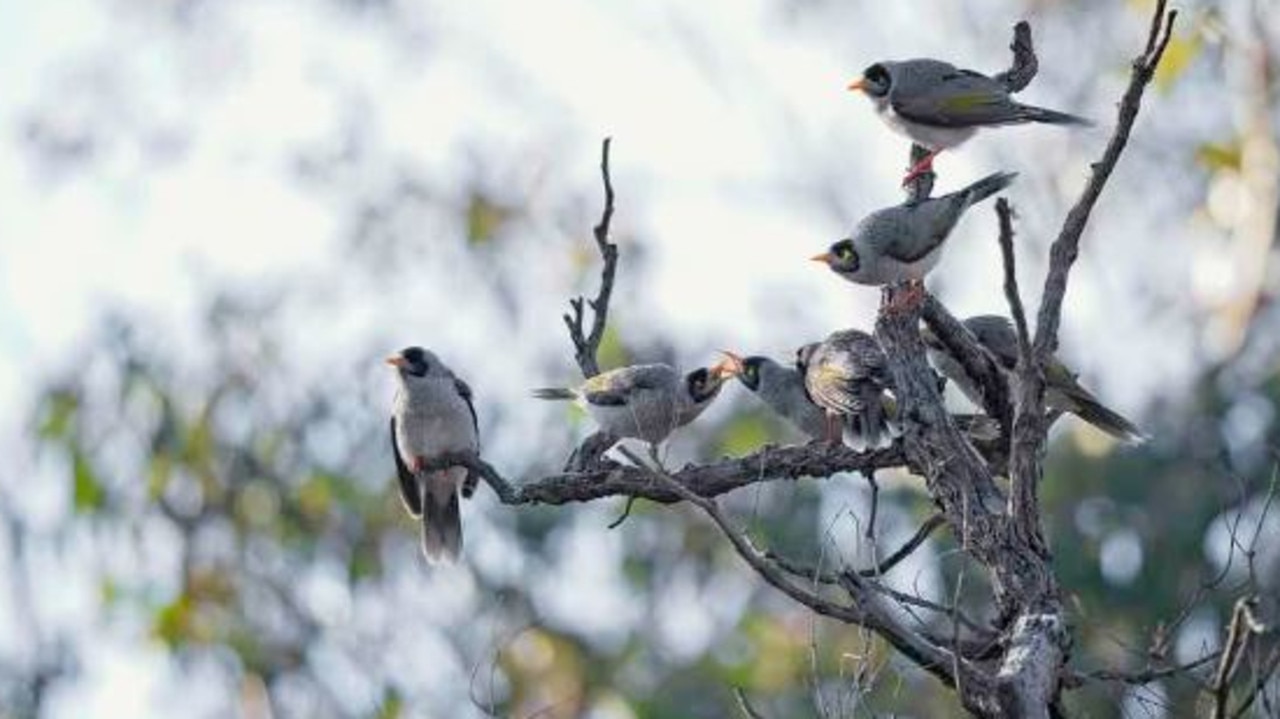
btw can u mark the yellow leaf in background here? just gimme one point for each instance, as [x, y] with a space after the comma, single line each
[485, 218]
[1219, 156]
[1178, 56]
[744, 434]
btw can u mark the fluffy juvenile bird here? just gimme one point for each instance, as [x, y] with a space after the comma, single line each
[432, 415]
[998, 337]
[846, 375]
[782, 389]
[940, 106]
[646, 401]
[904, 242]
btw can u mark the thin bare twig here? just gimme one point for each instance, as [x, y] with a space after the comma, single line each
[864, 611]
[1270, 666]
[1243, 627]
[626, 512]
[1067, 246]
[1005, 214]
[1137, 678]
[744, 704]
[587, 344]
[926, 529]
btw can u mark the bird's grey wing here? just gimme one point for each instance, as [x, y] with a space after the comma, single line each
[409, 491]
[955, 98]
[615, 387]
[908, 233]
[997, 335]
[464, 391]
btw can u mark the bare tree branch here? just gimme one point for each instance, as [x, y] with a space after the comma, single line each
[1269, 668]
[926, 529]
[744, 704]
[1005, 214]
[1137, 678]
[1243, 627]
[864, 610]
[1025, 64]
[586, 345]
[816, 460]
[1067, 246]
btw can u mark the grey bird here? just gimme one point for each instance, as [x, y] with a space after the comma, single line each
[432, 415]
[847, 375]
[940, 106]
[646, 401]
[904, 242]
[1063, 392]
[782, 389]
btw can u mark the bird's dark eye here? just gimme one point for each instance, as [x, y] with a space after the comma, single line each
[751, 371]
[844, 251]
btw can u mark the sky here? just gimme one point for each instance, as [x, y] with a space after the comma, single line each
[737, 155]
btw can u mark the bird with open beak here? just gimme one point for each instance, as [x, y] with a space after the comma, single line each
[645, 401]
[781, 388]
[940, 106]
[432, 414]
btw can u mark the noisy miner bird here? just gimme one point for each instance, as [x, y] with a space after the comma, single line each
[432, 415]
[1063, 392]
[646, 401]
[846, 375]
[782, 389]
[939, 106]
[904, 242]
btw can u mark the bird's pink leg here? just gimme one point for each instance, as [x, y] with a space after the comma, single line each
[911, 296]
[924, 165]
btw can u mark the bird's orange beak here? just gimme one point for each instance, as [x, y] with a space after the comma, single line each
[729, 366]
[858, 84]
[396, 361]
[825, 257]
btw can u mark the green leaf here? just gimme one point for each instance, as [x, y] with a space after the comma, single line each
[58, 411]
[88, 494]
[172, 623]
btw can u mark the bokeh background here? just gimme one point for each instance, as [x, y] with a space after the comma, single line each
[217, 217]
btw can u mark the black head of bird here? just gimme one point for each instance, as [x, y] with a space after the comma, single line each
[703, 384]
[875, 81]
[841, 257]
[413, 361]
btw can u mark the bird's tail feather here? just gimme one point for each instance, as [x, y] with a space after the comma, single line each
[1087, 407]
[555, 393]
[441, 521]
[1031, 113]
[987, 186]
